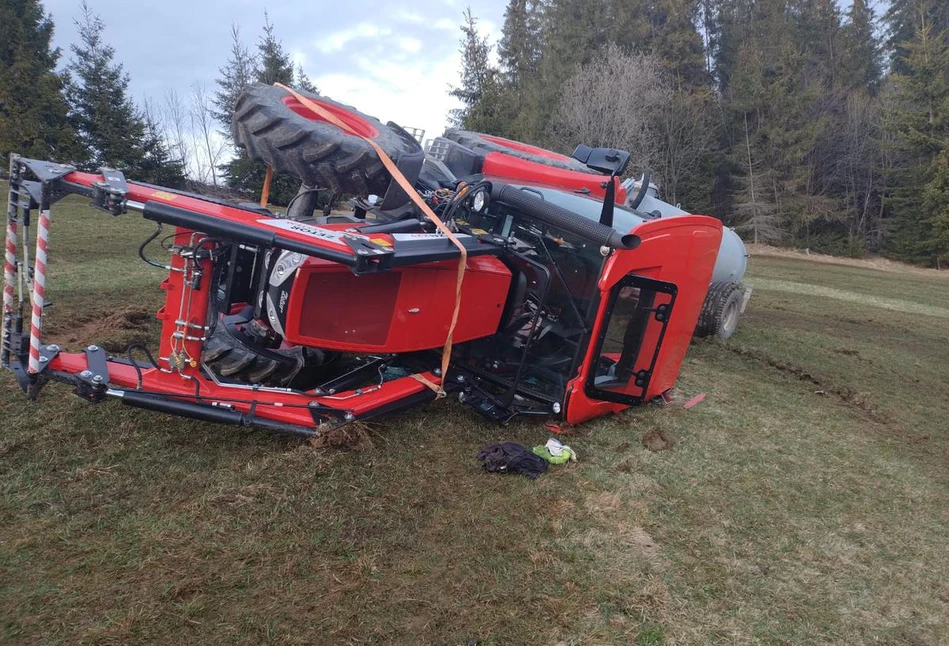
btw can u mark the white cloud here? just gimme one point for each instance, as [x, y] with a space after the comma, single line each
[409, 45]
[446, 24]
[336, 41]
[412, 94]
[410, 16]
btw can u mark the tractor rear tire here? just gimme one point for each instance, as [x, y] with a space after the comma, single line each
[480, 142]
[721, 311]
[273, 127]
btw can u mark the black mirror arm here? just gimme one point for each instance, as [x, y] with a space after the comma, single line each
[606, 215]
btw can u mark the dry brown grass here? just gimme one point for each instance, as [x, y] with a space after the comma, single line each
[879, 263]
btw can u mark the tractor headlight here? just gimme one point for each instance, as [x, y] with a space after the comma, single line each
[480, 200]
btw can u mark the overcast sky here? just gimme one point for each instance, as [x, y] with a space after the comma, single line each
[394, 61]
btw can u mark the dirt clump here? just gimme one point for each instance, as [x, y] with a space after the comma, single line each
[659, 440]
[115, 332]
[353, 436]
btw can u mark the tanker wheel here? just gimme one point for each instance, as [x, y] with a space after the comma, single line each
[489, 143]
[276, 128]
[721, 311]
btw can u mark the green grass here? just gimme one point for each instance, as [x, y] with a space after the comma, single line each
[807, 501]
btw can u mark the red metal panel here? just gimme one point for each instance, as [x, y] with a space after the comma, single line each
[501, 165]
[340, 307]
[405, 310]
[678, 250]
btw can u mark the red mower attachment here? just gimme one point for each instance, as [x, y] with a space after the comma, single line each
[565, 311]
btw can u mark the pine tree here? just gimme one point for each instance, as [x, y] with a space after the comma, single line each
[273, 63]
[520, 48]
[479, 91]
[110, 127]
[158, 166]
[936, 206]
[272, 66]
[861, 66]
[33, 111]
[921, 123]
[236, 74]
[902, 19]
[304, 83]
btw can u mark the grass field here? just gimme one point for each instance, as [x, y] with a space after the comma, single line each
[806, 501]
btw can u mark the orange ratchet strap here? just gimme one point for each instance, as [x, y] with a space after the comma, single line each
[265, 191]
[419, 202]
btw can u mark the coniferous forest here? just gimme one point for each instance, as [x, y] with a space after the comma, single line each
[806, 123]
[800, 122]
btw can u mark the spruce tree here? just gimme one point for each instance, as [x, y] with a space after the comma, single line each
[818, 36]
[273, 63]
[921, 123]
[272, 66]
[109, 126]
[479, 91]
[158, 165]
[861, 67]
[236, 74]
[903, 18]
[520, 47]
[303, 82]
[936, 206]
[33, 111]
[672, 35]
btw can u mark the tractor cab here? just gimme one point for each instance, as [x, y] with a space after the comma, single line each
[584, 325]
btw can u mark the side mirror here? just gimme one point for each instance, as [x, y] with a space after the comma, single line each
[608, 161]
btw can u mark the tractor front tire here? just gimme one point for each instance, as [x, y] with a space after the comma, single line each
[276, 128]
[721, 311]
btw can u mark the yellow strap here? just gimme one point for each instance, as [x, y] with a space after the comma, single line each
[419, 202]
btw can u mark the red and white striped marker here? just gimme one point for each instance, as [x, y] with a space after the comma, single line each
[39, 291]
[9, 272]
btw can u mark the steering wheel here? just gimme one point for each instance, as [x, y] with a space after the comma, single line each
[643, 189]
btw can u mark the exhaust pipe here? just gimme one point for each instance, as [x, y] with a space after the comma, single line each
[561, 218]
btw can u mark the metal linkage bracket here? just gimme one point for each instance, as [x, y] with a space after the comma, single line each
[33, 190]
[322, 414]
[91, 383]
[370, 257]
[45, 171]
[47, 354]
[111, 194]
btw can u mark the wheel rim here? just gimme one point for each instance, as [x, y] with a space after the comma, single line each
[730, 320]
[359, 125]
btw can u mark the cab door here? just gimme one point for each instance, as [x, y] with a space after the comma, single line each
[626, 350]
[641, 326]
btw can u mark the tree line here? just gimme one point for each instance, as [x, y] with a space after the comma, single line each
[792, 120]
[81, 112]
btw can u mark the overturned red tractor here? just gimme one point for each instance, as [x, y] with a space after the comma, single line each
[524, 288]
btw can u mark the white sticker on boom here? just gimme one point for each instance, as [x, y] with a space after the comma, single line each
[424, 236]
[329, 235]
